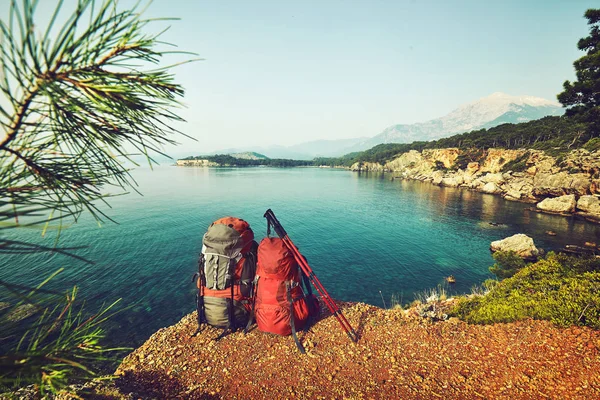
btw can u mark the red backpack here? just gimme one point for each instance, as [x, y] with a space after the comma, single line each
[278, 291]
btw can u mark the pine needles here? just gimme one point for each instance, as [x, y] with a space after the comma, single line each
[49, 340]
[78, 98]
[74, 105]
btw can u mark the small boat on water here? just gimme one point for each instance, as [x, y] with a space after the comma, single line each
[451, 279]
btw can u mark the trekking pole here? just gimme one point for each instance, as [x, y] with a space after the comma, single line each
[307, 270]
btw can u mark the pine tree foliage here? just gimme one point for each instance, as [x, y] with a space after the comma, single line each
[582, 97]
[73, 105]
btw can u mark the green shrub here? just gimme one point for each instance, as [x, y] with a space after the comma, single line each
[467, 156]
[592, 144]
[579, 264]
[507, 264]
[562, 289]
[519, 164]
[490, 284]
[439, 166]
[555, 151]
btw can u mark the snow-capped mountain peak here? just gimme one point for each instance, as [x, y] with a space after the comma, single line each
[499, 98]
[478, 113]
[495, 109]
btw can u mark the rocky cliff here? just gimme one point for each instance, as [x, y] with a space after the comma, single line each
[571, 181]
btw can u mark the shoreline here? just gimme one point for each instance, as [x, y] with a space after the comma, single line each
[595, 219]
[567, 185]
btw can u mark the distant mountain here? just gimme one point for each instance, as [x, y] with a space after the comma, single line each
[249, 155]
[496, 109]
[326, 148]
[268, 151]
[302, 151]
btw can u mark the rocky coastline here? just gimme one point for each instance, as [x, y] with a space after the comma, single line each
[567, 184]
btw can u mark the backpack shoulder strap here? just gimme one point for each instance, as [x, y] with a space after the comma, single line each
[252, 313]
[310, 299]
[306, 284]
[249, 270]
[292, 324]
[200, 282]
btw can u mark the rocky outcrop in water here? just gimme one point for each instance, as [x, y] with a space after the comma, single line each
[589, 206]
[561, 204]
[566, 184]
[520, 243]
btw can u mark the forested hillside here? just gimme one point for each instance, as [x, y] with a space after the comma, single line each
[552, 134]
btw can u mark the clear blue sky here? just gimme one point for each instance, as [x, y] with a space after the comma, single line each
[285, 72]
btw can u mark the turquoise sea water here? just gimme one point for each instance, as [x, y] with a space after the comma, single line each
[361, 233]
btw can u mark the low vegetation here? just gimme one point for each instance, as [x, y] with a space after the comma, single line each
[559, 288]
[50, 341]
[468, 156]
[507, 264]
[519, 164]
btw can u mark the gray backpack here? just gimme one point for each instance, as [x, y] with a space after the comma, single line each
[226, 270]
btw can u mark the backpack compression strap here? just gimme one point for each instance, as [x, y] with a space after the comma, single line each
[292, 324]
[231, 326]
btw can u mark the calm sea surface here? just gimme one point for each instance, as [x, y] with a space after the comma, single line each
[361, 233]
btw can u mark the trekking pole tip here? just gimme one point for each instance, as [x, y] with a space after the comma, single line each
[352, 335]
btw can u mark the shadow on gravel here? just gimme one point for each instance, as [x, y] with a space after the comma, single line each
[157, 385]
[361, 324]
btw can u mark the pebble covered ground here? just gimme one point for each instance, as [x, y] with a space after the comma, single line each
[399, 355]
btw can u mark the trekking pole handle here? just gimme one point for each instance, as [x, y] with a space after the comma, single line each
[272, 219]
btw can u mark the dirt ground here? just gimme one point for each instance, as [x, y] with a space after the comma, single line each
[399, 355]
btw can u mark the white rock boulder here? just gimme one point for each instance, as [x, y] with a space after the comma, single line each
[496, 178]
[589, 204]
[452, 181]
[437, 177]
[491, 188]
[513, 195]
[561, 204]
[520, 243]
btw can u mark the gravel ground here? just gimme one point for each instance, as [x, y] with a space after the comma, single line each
[399, 355]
